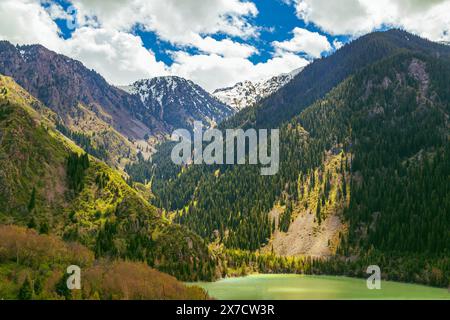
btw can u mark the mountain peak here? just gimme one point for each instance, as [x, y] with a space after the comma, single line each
[178, 101]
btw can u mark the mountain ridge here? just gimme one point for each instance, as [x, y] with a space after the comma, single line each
[320, 76]
[84, 102]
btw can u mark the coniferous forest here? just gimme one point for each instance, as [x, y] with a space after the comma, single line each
[389, 124]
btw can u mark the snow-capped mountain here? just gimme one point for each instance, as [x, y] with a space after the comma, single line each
[179, 102]
[248, 93]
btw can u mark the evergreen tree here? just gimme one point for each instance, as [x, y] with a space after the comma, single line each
[26, 290]
[32, 202]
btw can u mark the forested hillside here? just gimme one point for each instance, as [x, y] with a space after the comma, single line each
[49, 184]
[394, 117]
[33, 266]
[389, 123]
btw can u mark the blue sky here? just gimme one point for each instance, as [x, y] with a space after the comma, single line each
[276, 20]
[215, 43]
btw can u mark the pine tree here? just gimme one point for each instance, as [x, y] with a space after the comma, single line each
[32, 223]
[44, 228]
[32, 202]
[26, 290]
[318, 212]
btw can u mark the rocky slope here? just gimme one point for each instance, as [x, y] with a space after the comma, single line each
[83, 100]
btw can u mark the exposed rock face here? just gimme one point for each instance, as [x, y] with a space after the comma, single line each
[417, 69]
[179, 102]
[63, 83]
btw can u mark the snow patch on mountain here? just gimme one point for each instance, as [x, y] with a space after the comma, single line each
[179, 102]
[248, 93]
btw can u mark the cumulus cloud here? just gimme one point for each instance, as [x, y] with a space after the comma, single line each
[180, 22]
[214, 71]
[225, 47]
[305, 41]
[26, 22]
[428, 18]
[337, 44]
[172, 20]
[120, 57]
[55, 10]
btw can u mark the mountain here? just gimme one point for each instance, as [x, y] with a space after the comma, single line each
[49, 184]
[363, 170]
[179, 102]
[319, 77]
[85, 103]
[248, 93]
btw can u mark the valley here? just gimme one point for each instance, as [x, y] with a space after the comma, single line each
[363, 179]
[355, 171]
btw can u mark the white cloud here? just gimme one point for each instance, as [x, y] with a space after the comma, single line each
[120, 57]
[26, 22]
[225, 47]
[305, 41]
[173, 20]
[428, 18]
[337, 44]
[56, 11]
[180, 22]
[213, 71]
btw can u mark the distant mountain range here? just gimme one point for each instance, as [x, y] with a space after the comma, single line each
[248, 93]
[179, 102]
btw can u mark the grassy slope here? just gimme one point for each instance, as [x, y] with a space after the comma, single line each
[33, 155]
